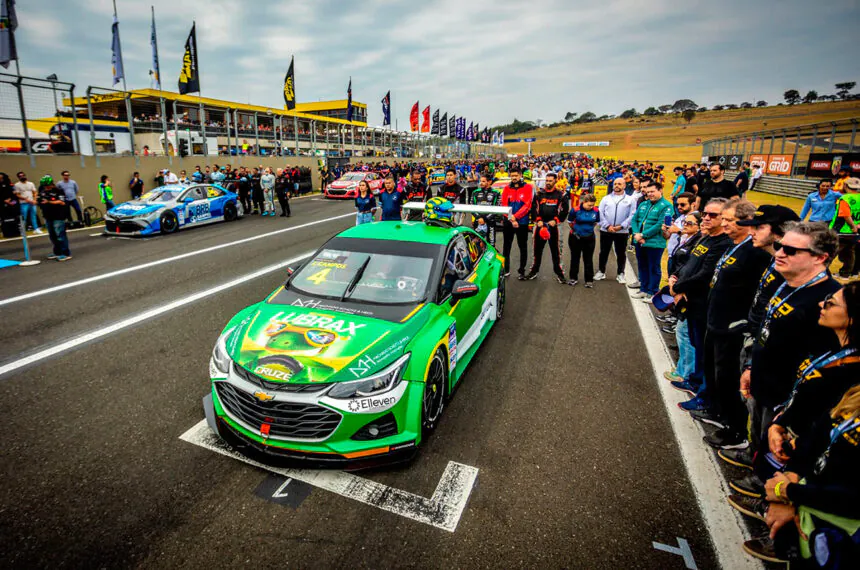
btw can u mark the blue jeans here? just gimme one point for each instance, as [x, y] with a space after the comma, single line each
[57, 233]
[28, 212]
[363, 218]
[650, 271]
[696, 329]
[109, 205]
[686, 352]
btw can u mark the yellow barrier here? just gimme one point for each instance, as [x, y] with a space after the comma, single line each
[600, 191]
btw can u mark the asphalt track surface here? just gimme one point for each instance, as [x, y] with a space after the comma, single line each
[559, 412]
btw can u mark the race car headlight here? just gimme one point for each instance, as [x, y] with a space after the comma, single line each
[220, 358]
[379, 383]
[151, 215]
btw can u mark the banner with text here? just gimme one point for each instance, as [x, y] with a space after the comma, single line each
[828, 165]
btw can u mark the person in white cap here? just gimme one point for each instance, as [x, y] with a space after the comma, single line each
[170, 178]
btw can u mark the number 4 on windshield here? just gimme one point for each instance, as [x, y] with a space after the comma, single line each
[319, 276]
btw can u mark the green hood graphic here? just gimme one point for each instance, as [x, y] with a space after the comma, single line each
[296, 344]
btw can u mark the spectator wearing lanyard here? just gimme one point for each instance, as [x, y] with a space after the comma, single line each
[673, 233]
[821, 205]
[790, 332]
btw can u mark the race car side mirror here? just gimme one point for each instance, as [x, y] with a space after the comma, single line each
[463, 290]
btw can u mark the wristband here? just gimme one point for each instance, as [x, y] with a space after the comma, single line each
[777, 490]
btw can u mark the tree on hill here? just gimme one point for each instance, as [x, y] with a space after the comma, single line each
[651, 111]
[629, 114]
[842, 89]
[701, 109]
[569, 117]
[586, 117]
[718, 107]
[665, 108]
[746, 105]
[731, 106]
[516, 126]
[761, 104]
[810, 97]
[682, 105]
[689, 115]
[792, 97]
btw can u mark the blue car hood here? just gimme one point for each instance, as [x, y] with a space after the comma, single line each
[136, 209]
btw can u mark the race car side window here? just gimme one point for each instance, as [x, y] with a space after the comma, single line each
[477, 246]
[213, 192]
[458, 265]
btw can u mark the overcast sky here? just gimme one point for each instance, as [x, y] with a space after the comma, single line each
[490, 60]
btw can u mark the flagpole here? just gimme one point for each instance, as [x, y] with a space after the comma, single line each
[119, 41]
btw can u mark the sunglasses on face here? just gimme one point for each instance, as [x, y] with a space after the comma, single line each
[690, 224]
[789, 250]
[710, 215]
[829, 301]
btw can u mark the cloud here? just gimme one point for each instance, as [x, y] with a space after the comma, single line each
[487, 60]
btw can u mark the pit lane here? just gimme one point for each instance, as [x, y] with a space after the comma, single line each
[559, 413]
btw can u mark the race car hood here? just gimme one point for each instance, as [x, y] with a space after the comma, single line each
[343, 184]
[301, 344]
[136, 208]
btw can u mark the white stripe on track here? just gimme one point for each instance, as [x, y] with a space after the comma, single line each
[110, 274]
[146, 315]
[726, 526]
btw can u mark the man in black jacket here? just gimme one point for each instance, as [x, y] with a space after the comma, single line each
[484, 195]
[282, 191]
[415, 191]
[549, 209]
[716, 187]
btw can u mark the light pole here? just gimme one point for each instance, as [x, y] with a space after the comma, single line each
[53, 79]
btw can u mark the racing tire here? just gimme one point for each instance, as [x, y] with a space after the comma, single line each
[433, 401]
[169, 222]
[500, 296]
[230, 212]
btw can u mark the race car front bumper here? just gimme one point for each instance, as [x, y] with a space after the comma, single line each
[127, 227]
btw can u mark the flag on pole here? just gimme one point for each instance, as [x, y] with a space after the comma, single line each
[386, 109]
[8, 24]
[189, 76]
[452, 126]
[476, 134]
[116, 54]
[349, 101]
[290, 86]
[486, 136]
[413, 117]
[501, 138]
[443, 126]
[434, 130]
[495, 137]
[425, 126]
[155, 72]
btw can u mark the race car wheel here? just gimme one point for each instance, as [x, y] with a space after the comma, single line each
[230, 212]
[169, 223]
[500, 296]
[434, 392]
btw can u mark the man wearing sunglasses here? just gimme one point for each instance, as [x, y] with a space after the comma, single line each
[789, 333]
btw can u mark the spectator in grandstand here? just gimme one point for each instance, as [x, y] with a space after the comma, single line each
[54, 210]
[616, 213]
[716, 187]
[27, 194]
[391, 201]
[846, 222]
[582, 240]
[106, 192]
[518, 196]
[70, 193]
[821, 205]
[691, 284]
[646, 225]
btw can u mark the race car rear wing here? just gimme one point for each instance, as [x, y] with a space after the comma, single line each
[465, 208]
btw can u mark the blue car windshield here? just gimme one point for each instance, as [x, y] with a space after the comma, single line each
[159, 196]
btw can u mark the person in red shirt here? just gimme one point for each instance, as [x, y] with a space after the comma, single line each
[518, 196]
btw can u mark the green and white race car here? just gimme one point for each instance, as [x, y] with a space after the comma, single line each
[353, 359]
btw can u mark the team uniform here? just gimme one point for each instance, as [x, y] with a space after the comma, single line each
[415, 193]
[488, 197]
[519, 199]
[548, 207]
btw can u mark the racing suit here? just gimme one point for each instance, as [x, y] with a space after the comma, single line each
[548, 207]
[455, 194]
[267, 182]
[415, 193]
[488, 197]
[519, 198]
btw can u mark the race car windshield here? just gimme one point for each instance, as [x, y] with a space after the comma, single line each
[384, 279]
[353, 177]
[158, 196]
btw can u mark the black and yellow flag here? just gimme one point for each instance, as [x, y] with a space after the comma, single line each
[189, 77]
[290, 87]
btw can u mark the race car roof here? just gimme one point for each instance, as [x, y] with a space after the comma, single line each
[401, 231]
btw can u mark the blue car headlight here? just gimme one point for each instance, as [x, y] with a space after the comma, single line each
[379, 383]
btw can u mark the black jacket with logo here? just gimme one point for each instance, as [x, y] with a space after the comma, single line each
[549, 206]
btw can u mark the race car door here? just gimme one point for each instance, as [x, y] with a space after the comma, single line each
[459, 265]
[196, 205]
[217, 199]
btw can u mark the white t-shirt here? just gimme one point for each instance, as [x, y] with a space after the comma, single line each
[25, 190]
[171, 178]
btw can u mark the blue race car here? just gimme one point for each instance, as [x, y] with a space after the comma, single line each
[168, 208]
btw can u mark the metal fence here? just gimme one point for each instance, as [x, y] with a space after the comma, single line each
[45, 117]
[797, 142]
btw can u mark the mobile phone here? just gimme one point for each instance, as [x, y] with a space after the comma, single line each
[667, 220]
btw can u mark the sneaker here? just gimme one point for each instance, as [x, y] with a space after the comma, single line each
[684, 386]
[707, 417]
[507, 273]
[599, 276]
[694, 404]
[751, 486]
[647, 300]
[38, 231]
[589, 285]
[755, 508]
[668, 329]
[572, 282]
[561, 279]
[634, 285]
[621, 278]
[669, 319]
[725, 438]
[531, 276]
[763, 549]
[639, 295]
[53, 256]
[738, 457]
[63, 257]
[672, 376]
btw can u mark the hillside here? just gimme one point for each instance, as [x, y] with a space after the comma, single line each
[669, 139]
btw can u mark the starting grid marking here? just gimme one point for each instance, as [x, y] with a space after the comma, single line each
[442, 510]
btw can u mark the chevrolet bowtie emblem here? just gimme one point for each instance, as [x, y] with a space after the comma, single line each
[263, 397]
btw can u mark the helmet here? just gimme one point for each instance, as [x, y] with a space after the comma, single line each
[439, 211]
[46, 179]
[527, 174]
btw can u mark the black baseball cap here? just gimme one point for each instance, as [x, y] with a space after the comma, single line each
[771, 214]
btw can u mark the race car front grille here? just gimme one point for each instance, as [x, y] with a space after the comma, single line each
[336, 192]
[279, 386]
[124, 227]
[290, 420]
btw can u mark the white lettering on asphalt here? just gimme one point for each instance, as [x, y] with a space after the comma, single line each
[683, 551]
[726, 527]
[442, 510]
[146, 315]
[110, 274]
[280, 494]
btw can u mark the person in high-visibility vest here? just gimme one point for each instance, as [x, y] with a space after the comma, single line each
[106, 192]
[846, 222]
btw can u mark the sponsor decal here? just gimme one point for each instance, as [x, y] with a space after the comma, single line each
[363, 366]
[368, 405]
[263, 397]
[320, 338]
[214, 372]
[760, 160]
[328, 264]
[181, 217]
[400, 446]
[198, 211]
[279, 323]
[452, 346]
[273, 373]
[780, 164]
